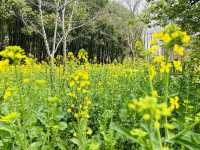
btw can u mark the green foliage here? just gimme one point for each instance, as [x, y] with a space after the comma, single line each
[139, 49]
[182, 12]
[78, 113]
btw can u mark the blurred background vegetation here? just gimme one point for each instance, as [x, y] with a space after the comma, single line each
[109, 30]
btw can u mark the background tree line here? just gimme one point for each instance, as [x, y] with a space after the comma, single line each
[106, 29]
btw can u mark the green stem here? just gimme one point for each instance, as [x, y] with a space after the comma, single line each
[159, 138]
[166, 94]
[18, 79]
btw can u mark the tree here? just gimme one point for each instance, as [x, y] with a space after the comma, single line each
[105, 29]
[132, 26]
[185, 13]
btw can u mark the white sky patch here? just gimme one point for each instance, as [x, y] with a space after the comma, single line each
[141, 7]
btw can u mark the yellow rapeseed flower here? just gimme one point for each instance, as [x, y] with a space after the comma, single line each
[26, 81]
[165, 68]
[178, 50]
[4, 65]
[84, 83]
[153, 42]
[76, 115]
[166, 111]
[154, 93]
[175, 34]
[10, 117]
[8, 92]
[154, 49]
[157, 35]
[88, 131]
[146, 117]
[185, 39]
[158, 59]
[19, 56]
[166, 38]
[7, 95]
[75, 134]
[131, 105]
[174, 103]
[71, 83]
[71, 94]
[169, 126]
[177, 65]
[87, 101]
[152, 72]
[158, 114]
[69, 110]
[85, 114]
[157, 125]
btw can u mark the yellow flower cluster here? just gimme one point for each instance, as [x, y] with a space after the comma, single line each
[165, 67]
[167, 40]
[154, 93]
[78, 84]
[158, 59]
[88, 131]
[9, 118]
[177, 65]
[174, 103]
[154, 49]
[152, 72]
[71, 94]
[151, 110]
[82, 56]
[14, 53]
[80, 79]
[178, 50]
[167, 37]
[70, 56]
[83, 109]
[9, 92]
[26, 81]
[4, 64]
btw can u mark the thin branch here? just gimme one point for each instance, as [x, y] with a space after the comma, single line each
[55, 28]
[65, 4]
[58, 44]
[86, 23]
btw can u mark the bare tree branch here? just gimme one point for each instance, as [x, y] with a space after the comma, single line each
[43, 28]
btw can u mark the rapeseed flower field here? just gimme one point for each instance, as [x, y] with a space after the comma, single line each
[148, 104]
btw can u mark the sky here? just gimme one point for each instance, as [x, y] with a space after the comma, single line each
[142, 4]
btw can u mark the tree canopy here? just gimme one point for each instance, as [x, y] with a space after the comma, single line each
[104, 28]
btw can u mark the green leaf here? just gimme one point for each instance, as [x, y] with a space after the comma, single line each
[61, 146]
[196, 138]
[188, 139]
[35, 145]
[124, 132]
[62, 126]
[188, 144]
[76, 141]
[6, 129]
